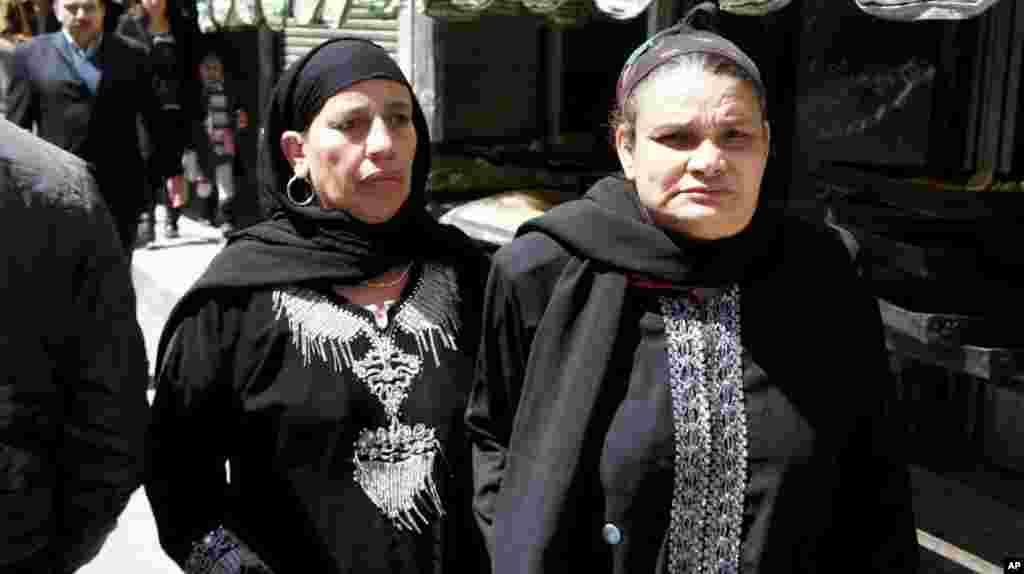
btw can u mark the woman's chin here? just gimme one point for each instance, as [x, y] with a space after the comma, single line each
[366, 209]
[704, 228]
[373, 217]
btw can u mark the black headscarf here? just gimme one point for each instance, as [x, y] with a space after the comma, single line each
[311, 244]
[298, 98]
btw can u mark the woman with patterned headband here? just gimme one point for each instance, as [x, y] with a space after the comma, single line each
[327, 352]
[675, 376]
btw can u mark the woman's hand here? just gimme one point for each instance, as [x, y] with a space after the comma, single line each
[221, 552]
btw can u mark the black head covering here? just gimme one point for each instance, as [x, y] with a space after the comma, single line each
[298, 98]
[314, 245]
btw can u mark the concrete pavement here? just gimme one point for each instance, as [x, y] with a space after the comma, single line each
[161, 274]
[166, 269]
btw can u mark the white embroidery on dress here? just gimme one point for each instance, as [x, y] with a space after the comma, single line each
[706, 379]
[394, 464]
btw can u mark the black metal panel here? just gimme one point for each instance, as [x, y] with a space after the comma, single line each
[1015, 67]
[926, 98]
[960, 239]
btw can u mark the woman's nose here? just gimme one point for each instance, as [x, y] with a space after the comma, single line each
[707, 159]
[379, 140]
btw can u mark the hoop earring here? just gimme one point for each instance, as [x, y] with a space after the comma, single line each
[307, 195]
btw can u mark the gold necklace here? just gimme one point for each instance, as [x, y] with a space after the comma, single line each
[390, 283]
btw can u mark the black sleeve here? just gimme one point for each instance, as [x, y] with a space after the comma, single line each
[192, 425]
[104, 367]
[22, 101]
[501, 363]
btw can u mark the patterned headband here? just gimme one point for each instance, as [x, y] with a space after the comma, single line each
[674, 42]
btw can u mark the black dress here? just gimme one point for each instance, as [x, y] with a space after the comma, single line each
[276, 382]
[826, 483]
[173, 85]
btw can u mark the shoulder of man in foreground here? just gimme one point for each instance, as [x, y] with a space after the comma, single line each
[40, 173]
[64, 255]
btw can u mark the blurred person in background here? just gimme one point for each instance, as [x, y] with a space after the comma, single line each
[16, 22]
[166, 28]
[83, 89]
[217, 142]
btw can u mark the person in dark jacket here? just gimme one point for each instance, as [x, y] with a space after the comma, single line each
[83, 88]
[675, 377]
[73, 406]
[167, 29]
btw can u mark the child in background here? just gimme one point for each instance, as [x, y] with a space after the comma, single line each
[217, 149]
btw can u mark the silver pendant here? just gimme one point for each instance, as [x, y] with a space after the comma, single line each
[395, 468]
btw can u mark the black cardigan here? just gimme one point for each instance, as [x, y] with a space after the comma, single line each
[827, 483]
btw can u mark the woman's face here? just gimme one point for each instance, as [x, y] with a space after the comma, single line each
[699, 154]
[359, 150]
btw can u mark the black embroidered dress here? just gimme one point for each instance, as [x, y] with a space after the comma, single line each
[587, 460]
[281, 384]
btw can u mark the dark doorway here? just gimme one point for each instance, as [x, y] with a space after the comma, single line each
[594, 55]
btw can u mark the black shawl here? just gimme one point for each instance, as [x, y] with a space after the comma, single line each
[802, 305]
[609, 239]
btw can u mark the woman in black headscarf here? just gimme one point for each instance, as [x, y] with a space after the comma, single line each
[326, 353]
[676, 377]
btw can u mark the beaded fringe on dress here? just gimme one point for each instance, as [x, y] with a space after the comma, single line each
[394, 465]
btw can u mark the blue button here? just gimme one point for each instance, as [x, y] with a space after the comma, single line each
[612, 534]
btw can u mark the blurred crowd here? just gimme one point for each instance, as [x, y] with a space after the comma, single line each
[183, 153]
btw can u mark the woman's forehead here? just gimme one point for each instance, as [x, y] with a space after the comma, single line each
[691, 91]
[377, 93]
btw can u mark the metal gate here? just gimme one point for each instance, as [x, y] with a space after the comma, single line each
[363, 21]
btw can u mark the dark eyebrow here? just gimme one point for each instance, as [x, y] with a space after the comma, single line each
[733, 121]
[675, 126]
[348, 109]
[391, 107]
[400, 106]
[740, 118]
